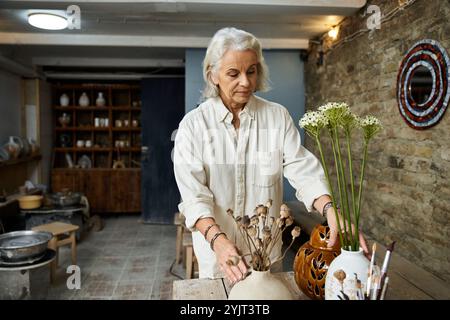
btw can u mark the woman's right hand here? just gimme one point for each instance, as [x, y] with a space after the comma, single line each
[229, 259]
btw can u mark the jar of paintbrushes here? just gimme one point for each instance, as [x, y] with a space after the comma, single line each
[378, 279]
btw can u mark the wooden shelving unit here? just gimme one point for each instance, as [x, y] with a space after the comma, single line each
[108, 189]
[20, 160]
[108, 142]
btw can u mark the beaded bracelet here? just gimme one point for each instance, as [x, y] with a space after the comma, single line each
[214, 239]
[208, 228]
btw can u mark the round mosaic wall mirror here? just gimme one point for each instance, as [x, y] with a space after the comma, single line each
[423, 84]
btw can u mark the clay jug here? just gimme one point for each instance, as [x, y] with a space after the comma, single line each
[312, 261]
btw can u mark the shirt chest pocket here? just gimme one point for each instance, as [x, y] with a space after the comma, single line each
[267, 169]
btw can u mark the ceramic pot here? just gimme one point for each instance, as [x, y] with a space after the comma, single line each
[64, 141]
[64, 120]
[64, 100]
[341, 275]
[312, 261]
[260, 285]
[100, 101]
[34, 146]
[84, 100]
[13, 148]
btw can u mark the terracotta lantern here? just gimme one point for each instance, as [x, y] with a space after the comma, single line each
[312, 261]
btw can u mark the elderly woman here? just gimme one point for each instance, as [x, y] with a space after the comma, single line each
[232, 152]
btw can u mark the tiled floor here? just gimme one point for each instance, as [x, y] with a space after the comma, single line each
[126, 260]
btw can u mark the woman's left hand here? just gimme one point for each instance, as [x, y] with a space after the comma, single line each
[334, 232]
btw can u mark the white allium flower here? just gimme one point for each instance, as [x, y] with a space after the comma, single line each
[335, 112]
[370, 126]
[370, 121]
[313, 122]
[334, 106]
[349, 121]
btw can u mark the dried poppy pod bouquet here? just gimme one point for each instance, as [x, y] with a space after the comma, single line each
[262, 231]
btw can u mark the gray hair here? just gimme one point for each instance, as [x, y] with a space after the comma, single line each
[232, 39]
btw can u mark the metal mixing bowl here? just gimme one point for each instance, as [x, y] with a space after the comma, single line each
[23, 245]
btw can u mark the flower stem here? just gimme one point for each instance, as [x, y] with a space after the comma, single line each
[339, 183]
[361, 181]
[290, 245]
[352, 182]
[333, 198]
[344, 187]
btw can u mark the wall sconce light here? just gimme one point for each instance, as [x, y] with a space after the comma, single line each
[333, 33]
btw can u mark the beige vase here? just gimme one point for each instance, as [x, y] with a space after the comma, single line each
[260, 285]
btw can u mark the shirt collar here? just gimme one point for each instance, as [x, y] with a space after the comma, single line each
[223, 112]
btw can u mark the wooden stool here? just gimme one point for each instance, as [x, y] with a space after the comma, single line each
[58, 229]
[179, 222]
[189, 254]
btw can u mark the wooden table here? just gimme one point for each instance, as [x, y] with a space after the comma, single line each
[218, 289]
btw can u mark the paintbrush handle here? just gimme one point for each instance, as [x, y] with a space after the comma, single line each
[383, 291]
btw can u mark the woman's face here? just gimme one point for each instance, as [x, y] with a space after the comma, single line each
[237, 77]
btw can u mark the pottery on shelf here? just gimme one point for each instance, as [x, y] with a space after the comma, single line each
[13, 148]
[65, 141]
[340, 282]
[85, 162]
[34, 146]
[84, 100]
[312, 261]
[64, 120]
[100, 101]
[118, 164]
[260, 285]
[26, 147]
[64, 100]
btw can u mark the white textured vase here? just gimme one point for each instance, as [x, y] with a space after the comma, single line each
[84, 100]
[100, 102]
[260, 285]
[347, 264]
[64, 100]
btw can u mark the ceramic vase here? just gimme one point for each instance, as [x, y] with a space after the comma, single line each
[64, 100]
[340, 282]
[84, 100]
[13, 148]
[100, 101]
[260, 285]
[312, 261]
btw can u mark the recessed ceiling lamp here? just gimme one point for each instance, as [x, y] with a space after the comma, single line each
[47, 21]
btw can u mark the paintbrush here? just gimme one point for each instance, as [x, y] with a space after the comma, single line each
[359, 292]
[387, 259]
[372, 261]
[383, 291]
[375, 288]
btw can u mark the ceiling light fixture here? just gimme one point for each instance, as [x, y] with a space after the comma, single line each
[47, 21]
[333, 33]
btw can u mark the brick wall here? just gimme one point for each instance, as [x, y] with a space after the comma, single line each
[407, 182]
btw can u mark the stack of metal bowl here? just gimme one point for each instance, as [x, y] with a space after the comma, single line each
[22, 247]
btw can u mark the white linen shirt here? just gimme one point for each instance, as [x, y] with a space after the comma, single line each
[218, 169]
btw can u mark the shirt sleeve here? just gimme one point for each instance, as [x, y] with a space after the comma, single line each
[196, 198]
[302, 169]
